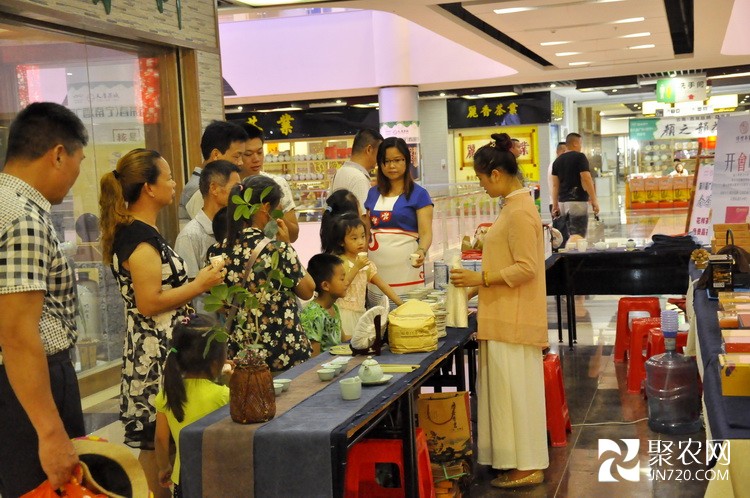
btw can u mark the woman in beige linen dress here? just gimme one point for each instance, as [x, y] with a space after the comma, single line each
[512, 326]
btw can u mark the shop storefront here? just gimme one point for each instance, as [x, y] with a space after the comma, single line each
[125, 87]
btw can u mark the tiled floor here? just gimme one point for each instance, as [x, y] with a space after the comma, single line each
[595, 389]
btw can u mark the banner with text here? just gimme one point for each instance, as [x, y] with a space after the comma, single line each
[700, 214]
[673, 127]
[730, 199]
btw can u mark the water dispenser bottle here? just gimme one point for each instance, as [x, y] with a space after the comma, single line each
[672, 385]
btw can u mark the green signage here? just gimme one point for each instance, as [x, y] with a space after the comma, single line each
[642, 129]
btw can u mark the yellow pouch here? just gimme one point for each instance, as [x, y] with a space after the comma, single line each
[412, 328]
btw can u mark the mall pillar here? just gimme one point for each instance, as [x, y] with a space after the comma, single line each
[399, 117]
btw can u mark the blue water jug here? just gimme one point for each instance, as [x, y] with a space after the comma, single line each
[672, 388]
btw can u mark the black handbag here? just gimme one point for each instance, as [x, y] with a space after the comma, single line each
[740, 265]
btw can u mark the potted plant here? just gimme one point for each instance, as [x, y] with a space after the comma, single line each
[252, 397]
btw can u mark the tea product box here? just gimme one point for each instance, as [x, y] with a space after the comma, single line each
[680, 188]
[736, 340]
[637, 190]
[728, 319]
[665, 189]
[652, 189]
[744, 319]
[735, 374]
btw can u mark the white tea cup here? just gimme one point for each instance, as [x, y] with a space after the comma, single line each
[414, 258]
[351, 388]
[217, 261]
[582, 245]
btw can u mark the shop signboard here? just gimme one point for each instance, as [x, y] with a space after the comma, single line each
[528, 161]
[730, 196]
[323, 122]
[685, 109]
[688, 89]
[506, 111]
[665, 128]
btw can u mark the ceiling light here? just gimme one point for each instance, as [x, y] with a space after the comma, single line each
[489, 95]
[735, 75]
[552, 85]
[280, 109]
[338, 101]
[614, 90]
[513, 10]
[578, 63]
[567, 54]
[549, 44]
[629, 20]
[239, 107]
[672, 74]
[636, 35]
[442, 94]
[639, 47]
[69, 74]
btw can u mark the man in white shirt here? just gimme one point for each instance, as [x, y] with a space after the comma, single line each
[216, 180]
[354, 174]
[252, 165]
[220, 141]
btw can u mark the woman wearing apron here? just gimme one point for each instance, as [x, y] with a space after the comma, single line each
[400, 221]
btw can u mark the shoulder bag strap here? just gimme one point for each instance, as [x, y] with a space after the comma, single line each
[248, 268]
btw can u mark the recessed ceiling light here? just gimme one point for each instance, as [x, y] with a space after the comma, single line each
[614, 90]
[338, 101]
[69, 74]
[549, 44]
[552, 85]
[578, 63]
[442, 94]
[239, 107]
[566, 54]
[639, 47]
[629, 19]
[636, 35]
[513, 10]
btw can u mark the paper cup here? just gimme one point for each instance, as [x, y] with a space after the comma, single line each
[217, 261]
[582, 245]
[413, 258]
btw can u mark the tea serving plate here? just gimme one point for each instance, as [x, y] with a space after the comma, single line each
[340, 349]
[383, 380]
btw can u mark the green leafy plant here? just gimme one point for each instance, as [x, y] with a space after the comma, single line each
[230, 299]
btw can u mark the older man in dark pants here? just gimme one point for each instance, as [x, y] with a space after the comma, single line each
[40, 405]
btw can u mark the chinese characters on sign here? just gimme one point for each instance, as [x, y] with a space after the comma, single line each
[700, 216]
[681, 127]
[486, 110]
[672, 90]
[731, 184]
[285, 122]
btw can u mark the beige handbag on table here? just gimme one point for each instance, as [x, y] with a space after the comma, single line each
[412, 328]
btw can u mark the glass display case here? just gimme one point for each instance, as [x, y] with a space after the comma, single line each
[657, 156]
[309, 167]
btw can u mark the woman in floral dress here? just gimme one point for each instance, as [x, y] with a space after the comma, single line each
[153, 282]
[284, 343]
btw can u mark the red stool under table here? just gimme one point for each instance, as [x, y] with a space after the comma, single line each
[638, 344]
[364, 455]
[656, 342]
[558, 416]
[624, 307]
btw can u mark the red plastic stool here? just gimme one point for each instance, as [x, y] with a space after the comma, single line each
[360, 467]
[624, 307]
[638, 343]
[656, 342]
[558, 416]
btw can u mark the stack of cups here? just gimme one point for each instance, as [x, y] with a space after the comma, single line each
[669, 326]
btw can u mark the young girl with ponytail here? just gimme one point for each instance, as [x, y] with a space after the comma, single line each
[190, 391]
[153, 282]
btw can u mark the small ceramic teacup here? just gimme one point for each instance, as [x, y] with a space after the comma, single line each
[600, 246]
[582, 245]
[278, 388]
[284, 383]
[326, 373]
[336, 367]
[630, 244]
[351, 388]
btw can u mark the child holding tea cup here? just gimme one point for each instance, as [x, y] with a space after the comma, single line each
[189, 391]
[346, 238]
[320, 319]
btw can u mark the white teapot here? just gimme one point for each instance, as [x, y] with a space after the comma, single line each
[370, 370]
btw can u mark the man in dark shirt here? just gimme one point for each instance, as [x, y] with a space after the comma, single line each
[573, 188]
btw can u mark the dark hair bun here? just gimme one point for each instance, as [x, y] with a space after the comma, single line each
[502, 141]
